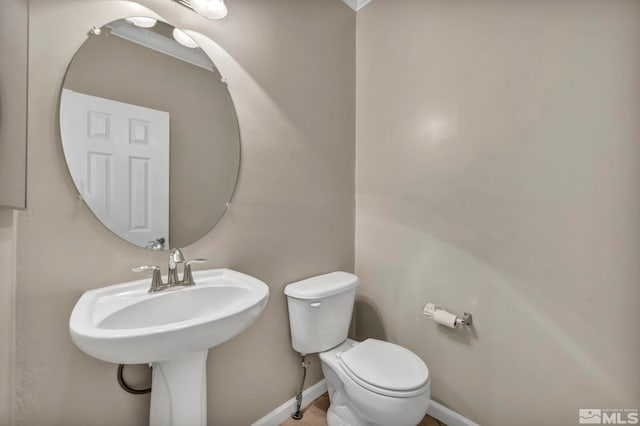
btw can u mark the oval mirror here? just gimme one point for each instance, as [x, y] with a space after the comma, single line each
[149, 133]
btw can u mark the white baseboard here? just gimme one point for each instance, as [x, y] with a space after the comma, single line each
[448, 416]
[285, 411]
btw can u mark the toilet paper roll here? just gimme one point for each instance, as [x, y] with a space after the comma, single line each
[445, 318]
[429, 310]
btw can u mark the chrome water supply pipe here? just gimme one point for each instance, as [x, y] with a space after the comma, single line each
[297, 415]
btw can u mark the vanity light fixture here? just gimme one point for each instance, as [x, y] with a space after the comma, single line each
[212, 9]
[142, 21]
[182, 38]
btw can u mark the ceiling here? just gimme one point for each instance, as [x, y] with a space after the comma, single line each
[357, 4]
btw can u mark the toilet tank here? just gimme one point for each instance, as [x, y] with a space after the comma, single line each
[320, 310]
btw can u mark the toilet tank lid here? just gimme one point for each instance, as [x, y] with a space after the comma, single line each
[321, 286]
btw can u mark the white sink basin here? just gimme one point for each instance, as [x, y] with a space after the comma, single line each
[173, 329]
[125, 324]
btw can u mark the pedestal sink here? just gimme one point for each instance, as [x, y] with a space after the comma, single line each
[173, 330]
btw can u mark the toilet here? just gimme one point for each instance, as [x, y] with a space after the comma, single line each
[370, 383]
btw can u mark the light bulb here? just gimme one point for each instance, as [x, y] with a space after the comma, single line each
[182, 38]
[142, 21]
[212, 9]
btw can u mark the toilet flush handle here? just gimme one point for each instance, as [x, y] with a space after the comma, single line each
[315, 304]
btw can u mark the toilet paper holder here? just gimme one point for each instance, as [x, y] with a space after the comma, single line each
[431, 308]
[467, 319]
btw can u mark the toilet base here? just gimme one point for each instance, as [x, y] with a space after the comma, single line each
[334, 419]
[340, 412]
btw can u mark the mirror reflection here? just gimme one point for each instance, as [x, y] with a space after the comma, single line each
[149, 133]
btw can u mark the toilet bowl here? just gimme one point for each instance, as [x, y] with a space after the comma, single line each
[382, 396]
[370, 383]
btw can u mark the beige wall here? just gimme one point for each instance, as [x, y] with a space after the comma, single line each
[292, 216]
[7, 313]
[205, 144]
[497, 173]
[14, 16]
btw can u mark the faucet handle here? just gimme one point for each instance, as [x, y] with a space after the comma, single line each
[144, 268]
[156, 280]
[187, 276]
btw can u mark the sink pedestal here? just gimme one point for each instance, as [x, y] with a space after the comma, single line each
[179, 391]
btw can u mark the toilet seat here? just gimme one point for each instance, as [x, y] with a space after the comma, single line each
[385, 368]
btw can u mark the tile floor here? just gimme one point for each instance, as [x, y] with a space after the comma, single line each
[316, 415]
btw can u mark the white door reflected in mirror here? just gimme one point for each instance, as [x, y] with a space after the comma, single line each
[118, 156]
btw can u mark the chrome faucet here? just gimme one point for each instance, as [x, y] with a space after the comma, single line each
[175, 257]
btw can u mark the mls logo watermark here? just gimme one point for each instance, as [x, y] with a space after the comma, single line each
[601, 416]
[590, 416]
